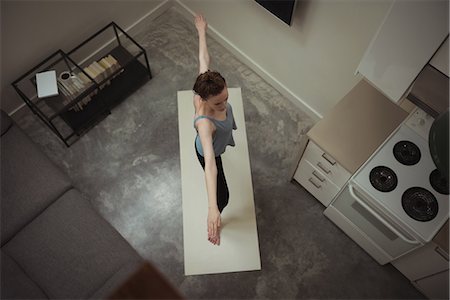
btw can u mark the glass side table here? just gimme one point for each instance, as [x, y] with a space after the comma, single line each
[92, 78]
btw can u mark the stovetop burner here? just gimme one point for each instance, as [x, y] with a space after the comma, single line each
[420, 204]
[439, 182]
[383, 179]
[407, 153]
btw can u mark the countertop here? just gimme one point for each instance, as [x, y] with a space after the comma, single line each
[357, 126]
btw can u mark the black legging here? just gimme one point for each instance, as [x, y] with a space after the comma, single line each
[222, 188]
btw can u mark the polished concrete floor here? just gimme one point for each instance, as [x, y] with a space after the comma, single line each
[128, 166]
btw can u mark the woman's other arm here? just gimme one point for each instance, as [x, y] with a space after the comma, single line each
[205, 131]
[203, 55]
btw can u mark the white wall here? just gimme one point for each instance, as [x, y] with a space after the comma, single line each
[312, 62]
[32, 30]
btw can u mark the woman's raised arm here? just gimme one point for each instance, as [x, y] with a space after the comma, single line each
[203, 55]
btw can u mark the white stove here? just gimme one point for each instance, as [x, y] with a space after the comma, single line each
[389, 206]
[401, 186]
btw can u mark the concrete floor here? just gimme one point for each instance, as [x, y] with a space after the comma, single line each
[128, 166]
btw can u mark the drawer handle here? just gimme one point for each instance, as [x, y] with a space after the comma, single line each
[330, 160]
[318, 176]
[315, 184]
[442, 253]
[319, 164]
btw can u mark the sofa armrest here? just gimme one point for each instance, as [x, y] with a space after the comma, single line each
[30, 180]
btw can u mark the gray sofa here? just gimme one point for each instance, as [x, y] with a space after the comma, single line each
[53, 243]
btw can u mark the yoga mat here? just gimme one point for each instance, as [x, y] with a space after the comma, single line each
[239, 248]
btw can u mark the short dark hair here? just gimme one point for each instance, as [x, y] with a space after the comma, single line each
[209, 83]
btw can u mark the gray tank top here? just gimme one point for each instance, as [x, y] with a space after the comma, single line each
[223, 136]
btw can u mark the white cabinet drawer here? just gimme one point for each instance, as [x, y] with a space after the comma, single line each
[315, 182]
[326, 164]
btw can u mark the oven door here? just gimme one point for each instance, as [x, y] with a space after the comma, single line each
[379, 236]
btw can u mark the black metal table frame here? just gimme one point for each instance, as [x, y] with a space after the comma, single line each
[48, 120]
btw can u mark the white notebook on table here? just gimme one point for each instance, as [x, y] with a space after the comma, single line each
[46, 84]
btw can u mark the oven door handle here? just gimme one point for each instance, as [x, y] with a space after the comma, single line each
[370, 210]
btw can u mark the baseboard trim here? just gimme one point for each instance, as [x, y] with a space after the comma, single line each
[285, 91]
[16, 109]
[148, 17]
[186, 12]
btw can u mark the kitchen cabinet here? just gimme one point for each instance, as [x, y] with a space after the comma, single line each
[320, 174]
[435, 286]
[440, 59]
[410, 34]
[423, 262]
[428, 266]
[344, 139]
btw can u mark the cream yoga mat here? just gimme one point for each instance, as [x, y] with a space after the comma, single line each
[239, 248]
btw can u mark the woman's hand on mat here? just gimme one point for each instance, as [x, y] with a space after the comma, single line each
[200, 23]
[214, 226]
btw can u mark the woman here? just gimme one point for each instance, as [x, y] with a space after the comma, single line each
[214, 123]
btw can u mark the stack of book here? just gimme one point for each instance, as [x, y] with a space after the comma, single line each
[73, 85]
[102, 69]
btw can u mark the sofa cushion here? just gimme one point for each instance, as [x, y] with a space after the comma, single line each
[6, 122]
[15, 283]
[69, 250]
[29, 182]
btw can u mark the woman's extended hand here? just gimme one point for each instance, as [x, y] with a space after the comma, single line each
[214, 226]
[200, 23]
